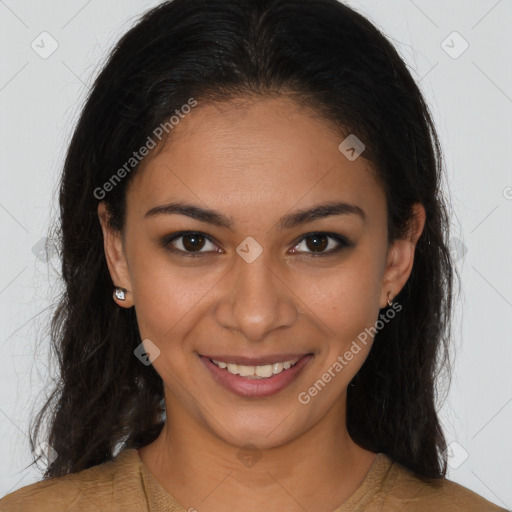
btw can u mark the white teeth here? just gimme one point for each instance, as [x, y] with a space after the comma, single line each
[245, 371]
[256, 372]
[232, 368]
[264, 371]
[277, 367]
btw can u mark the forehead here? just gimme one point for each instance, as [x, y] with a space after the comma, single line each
[254, 154]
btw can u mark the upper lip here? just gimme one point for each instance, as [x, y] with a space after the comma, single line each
[255, 361]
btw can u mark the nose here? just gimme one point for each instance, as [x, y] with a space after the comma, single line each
[256, 300]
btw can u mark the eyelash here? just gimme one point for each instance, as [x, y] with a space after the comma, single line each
[166, 243]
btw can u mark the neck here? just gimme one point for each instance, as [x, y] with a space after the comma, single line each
[318, 470]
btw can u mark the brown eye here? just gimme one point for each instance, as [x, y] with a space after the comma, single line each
[316, 244]
[193, 242]
[189, 244]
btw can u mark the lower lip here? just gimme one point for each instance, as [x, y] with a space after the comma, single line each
[245, 387]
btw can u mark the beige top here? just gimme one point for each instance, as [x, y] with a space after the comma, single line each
[125, 484]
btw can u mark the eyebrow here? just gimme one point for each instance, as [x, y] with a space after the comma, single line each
[288, 221]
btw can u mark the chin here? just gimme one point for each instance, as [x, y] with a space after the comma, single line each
[262, 432]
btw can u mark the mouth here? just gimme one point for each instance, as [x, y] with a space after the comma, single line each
[256, 377]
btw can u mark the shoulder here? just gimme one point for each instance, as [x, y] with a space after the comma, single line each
[97, 488]
[405, 488]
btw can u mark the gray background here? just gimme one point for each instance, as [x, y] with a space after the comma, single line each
[470, 93]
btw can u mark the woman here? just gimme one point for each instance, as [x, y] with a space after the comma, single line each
[258, 284]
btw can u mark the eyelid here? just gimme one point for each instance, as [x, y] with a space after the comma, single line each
[342, 241]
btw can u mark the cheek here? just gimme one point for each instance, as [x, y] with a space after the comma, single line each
[167, 308]
[168, 298]
[345, 306]
[344, 301]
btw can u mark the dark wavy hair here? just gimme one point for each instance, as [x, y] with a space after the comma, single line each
[327, 57]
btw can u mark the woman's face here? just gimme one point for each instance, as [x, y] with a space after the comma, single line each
[253, 284]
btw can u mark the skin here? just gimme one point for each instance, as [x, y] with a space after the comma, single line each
[255, 161]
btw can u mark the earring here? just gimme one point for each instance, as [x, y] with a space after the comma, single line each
[120, 293]
[390, 303]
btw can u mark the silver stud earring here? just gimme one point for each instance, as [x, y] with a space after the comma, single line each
[390, 303]
[120, 293]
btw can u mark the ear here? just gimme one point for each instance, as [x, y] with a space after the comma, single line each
[401, 257]
[115, 256]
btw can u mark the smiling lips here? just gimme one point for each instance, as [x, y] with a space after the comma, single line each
[264, 377]
[256, 372]
[262, 366]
